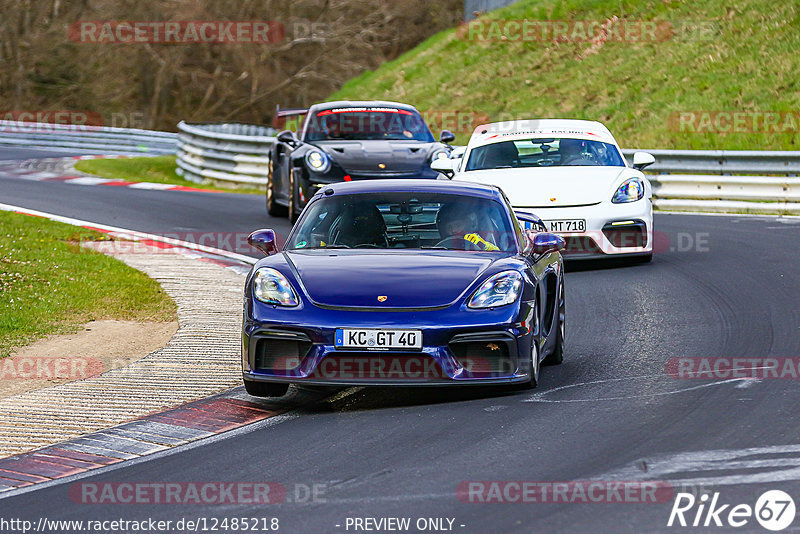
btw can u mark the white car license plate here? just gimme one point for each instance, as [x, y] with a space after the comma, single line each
[375, 339]
[566, 226]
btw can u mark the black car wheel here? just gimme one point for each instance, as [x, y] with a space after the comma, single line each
[273, 208]
[294, 214]
[557, 356]
[534, 381]
[265, 389]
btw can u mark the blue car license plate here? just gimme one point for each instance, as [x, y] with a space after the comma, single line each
[377, 339]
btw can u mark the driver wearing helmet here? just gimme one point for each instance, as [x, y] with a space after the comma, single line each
[457, 223]
[571, 151]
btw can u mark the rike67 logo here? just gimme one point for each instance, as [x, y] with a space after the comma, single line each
[774, 510]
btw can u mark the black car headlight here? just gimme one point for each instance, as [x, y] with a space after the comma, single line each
[440, 154]
[271, 287]
[318, 161]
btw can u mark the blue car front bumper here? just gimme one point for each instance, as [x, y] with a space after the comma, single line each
[460, 346]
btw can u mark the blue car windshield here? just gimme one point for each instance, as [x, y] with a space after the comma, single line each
[544, 153]
[405, 220]
[361, 124]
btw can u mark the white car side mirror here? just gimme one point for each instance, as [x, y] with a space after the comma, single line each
[642, 160]
[442, 165]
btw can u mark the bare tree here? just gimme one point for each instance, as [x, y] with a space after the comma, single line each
[326, 43]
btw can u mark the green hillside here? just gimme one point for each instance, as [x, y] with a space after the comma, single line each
[700, 74]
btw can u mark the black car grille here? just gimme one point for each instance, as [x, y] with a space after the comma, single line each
[276, 354]
[484, 354]
[626, 235]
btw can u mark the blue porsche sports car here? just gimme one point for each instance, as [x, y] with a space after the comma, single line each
[404, 282]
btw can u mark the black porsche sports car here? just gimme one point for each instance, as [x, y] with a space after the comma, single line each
[344, 141]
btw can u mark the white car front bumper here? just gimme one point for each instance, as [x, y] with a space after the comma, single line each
[611, 229]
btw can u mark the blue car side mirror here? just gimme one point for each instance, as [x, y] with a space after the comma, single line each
[545, 242]
[529, 221]
[263, 240]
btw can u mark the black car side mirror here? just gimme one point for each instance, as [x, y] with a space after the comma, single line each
[263, 240]
[447, 137]
[287, 137]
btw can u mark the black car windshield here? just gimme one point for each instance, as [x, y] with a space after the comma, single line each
[544, 153]
[405, 220]
[369, 123]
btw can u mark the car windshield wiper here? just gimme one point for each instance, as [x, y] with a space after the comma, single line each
[435, 247]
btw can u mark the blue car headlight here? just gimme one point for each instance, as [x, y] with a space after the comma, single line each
[318, 161]
[631, 190]
[499, 290]
[271, 287]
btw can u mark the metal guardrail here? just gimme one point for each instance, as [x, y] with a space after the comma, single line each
[723, 161]
[692, 180]
[725, 180]
[87, 139]
[233, 153]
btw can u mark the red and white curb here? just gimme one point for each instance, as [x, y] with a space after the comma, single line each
[147, 435]
[63, 171]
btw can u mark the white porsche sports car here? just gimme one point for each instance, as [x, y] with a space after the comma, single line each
[570, 173]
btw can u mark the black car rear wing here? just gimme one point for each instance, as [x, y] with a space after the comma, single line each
[279, 120]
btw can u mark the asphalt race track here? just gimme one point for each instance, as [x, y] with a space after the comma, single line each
[723, 287]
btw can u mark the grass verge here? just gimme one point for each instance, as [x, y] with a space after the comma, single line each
[711, 57]
[49, 284]
[156, 169]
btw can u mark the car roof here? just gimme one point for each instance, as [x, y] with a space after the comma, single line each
[503, 131]
[360, 104]
[453, 187]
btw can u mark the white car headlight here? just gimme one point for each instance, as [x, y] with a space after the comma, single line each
[271, 287]
[318, 161]
[499, 290]
[631, 190]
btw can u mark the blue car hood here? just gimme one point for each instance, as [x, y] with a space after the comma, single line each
[347, 278]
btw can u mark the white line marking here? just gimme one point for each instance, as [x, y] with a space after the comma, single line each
[539, 397]
[747, 382]
[673, 467]
[87, 180]
[152, 185]
[132, 233]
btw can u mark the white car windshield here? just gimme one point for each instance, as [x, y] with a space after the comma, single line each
[544, 153]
